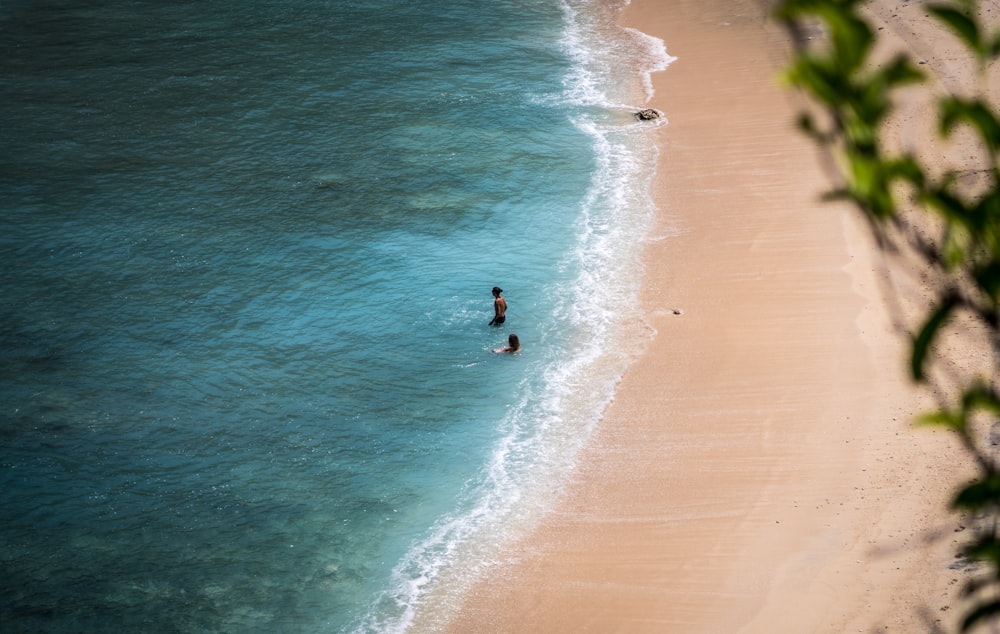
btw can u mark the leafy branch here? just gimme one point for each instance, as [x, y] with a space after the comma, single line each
[947, 221]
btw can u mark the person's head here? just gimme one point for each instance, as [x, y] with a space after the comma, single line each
[496, 291]
[514, 342]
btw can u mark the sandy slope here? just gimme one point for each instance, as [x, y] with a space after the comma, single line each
[757, 471]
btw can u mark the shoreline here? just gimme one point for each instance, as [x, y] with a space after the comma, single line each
[750, 474]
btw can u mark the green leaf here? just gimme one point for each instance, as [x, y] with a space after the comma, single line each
[979, 494]
[922, 342]
[951, 206]
[907, 169]
[983, 611]
[963, 26]
[988, 278]
[850, 35]
[899, 72]
[980, 397]
[825, 79]
[974, 113]
[852, 38]
[954, 421]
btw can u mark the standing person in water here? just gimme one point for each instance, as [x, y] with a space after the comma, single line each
[513, 344]
[499, 307]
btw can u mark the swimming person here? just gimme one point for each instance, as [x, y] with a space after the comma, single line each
[499, 307]
[513, 344]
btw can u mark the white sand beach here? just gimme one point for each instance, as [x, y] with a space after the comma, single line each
[758, 470]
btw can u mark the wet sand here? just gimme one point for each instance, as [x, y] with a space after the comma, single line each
[758, 470]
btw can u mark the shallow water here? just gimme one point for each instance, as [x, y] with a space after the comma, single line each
[247, 255]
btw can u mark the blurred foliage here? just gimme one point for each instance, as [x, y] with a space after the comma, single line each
[922, 210]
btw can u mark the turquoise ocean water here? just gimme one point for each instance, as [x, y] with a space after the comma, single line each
[247, 254]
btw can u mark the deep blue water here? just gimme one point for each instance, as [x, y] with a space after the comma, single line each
[247, 253]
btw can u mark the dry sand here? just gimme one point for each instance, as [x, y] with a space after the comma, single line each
[758, 470]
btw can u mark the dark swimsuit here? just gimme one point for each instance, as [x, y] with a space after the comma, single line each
[499, 319]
